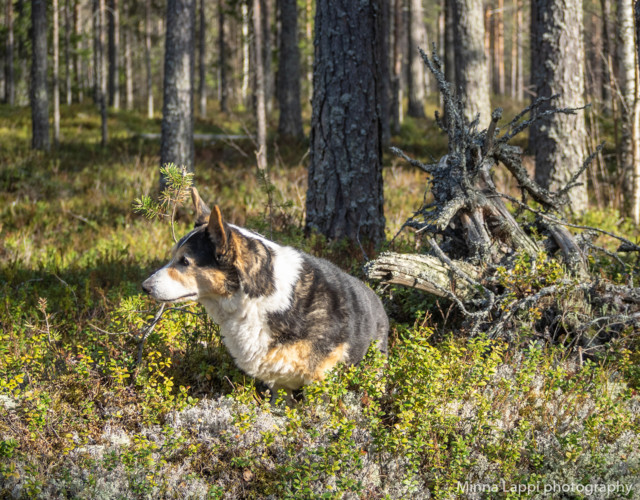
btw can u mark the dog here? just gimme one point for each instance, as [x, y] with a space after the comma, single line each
[287, 318]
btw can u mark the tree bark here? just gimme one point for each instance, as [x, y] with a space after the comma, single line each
[417, 39]
[558, 141]
[77, 60]
[345, 197]
[9, 82]
[288, 77]
[472, 69]
[498, 49]
[244, 89]
[260, 94]
[56, 72]
[39, 95]
[636, 177]
[607, 60]
[202, 63]
[113, 16]
[128, 69]
[627, 84]
[397, 114]
[177, 111]
[450, 43]
[101, 74]
[222, 58]
[265, 12]
[67, 52]
[147, 58]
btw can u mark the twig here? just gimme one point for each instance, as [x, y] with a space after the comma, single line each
[147, 331]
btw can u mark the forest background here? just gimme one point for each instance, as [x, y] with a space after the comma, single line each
[275, 107]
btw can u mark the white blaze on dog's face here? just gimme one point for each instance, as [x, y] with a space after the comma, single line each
[200, 266]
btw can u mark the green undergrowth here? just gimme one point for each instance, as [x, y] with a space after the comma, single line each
[93, 404]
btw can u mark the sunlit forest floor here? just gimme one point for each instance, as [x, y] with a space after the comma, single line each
[90, 409]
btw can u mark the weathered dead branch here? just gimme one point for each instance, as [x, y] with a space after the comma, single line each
[471, 232]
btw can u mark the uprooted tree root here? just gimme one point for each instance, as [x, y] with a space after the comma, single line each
[486, 260]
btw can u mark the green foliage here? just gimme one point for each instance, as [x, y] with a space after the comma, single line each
[87, 410]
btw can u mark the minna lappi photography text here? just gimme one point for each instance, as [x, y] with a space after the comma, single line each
[598, 490]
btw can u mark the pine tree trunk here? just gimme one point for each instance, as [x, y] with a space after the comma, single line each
[128, 69]
[202, 63]
[67, 52]
[260, 95]
[450, 43]
[557, 49]
[472, 68]
[147, 58]
[265, 12]
[384, 80]
[288, 78]
[607, 59]
[39, 95]
[56, 72]
[344, 197]
[520, 93]
[499, 73]
[177, 110]
[627, 84]
[396, 83]
[101, 74]
[416, 66]
[636, 178]
[77, 60]
[9, 83]
[222, 59]
[244, 89]
[114, 54]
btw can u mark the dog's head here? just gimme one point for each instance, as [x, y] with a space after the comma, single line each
[204, 264]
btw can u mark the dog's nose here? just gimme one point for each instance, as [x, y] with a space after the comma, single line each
[146, 287]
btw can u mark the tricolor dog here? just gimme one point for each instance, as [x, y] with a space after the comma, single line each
[285, 316]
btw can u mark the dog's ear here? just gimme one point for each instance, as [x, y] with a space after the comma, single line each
[217, 230]
[202, 210]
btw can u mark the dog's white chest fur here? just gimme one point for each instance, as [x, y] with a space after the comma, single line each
[244, 323]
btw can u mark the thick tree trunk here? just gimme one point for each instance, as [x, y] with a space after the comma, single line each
[177, 110]
[9, 77]
[114, 54]
[222, 59]
[202, 63]
[344, 197]
[627, 84]
[472, 69]
[557, 49]
[56, 72]
[259, 91]
[39, 95]
[288, 78]
[417, 39]
[147, 57]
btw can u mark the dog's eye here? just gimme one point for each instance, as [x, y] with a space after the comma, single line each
[184, 261]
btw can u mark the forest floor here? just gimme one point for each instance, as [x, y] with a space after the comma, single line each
[89, 411]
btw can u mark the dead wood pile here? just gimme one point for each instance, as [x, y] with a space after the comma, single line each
[473, 237]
